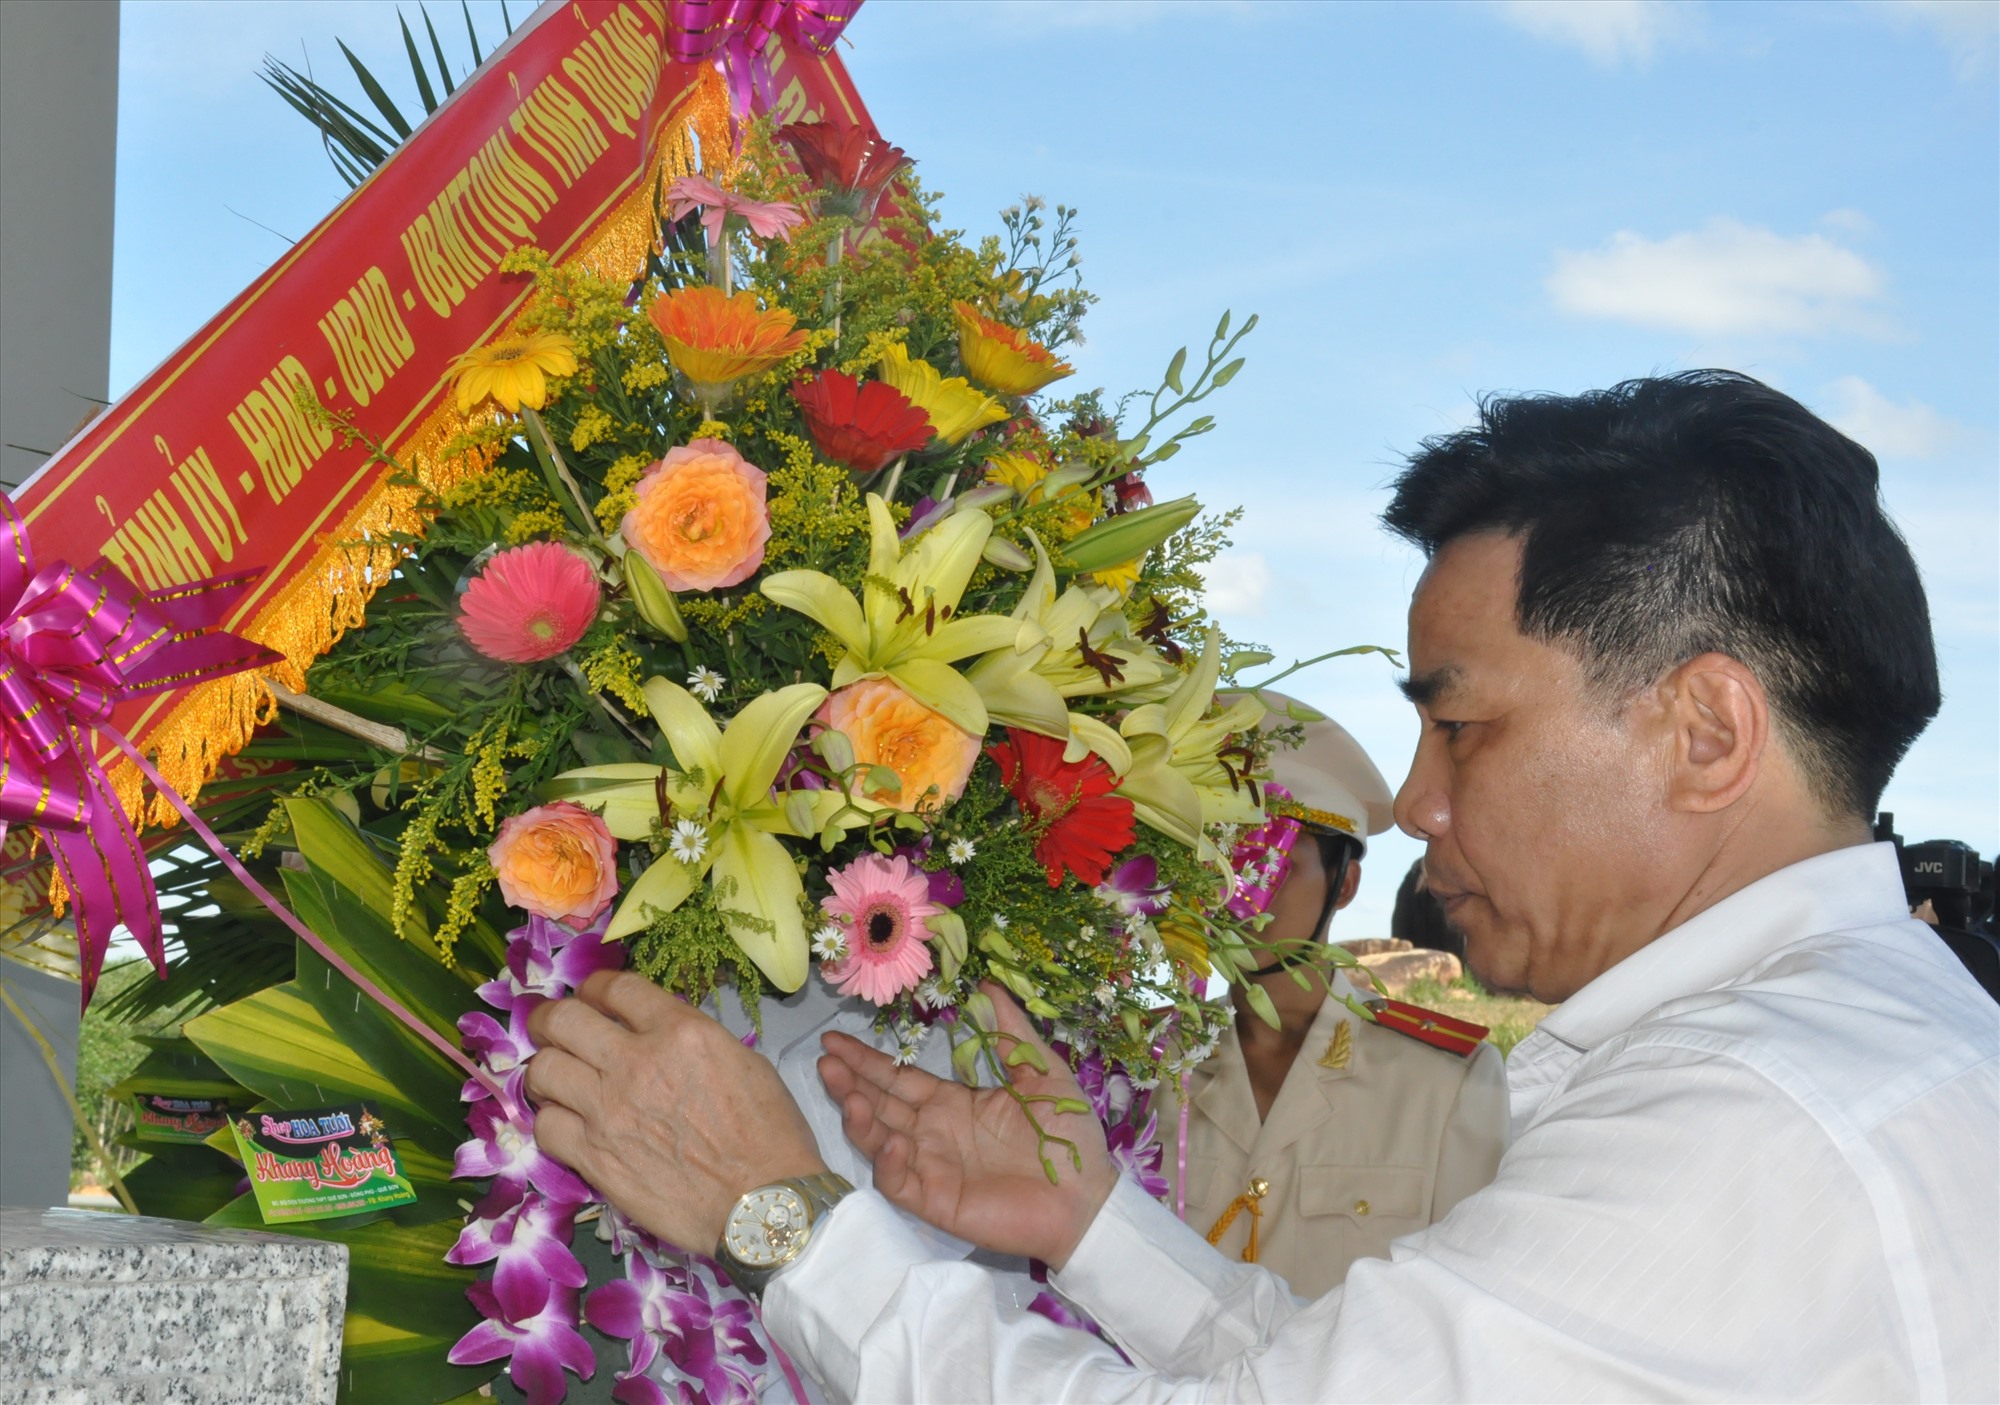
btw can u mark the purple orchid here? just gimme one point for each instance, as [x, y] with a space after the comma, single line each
[668, 1308]
[1134, 888]
[947, 888]
[1138, 1152]
[503, 1146]
[503, 1050]
[530, 1238]
[546, 960]
[533, 1323]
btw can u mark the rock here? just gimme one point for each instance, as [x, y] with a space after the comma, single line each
[1375, 946]
[1399, 970]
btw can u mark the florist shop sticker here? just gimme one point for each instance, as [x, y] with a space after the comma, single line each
[188, 1121]
[322, 1162]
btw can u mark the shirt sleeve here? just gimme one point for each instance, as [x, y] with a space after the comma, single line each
[1474, 1135]
[1677, 1231]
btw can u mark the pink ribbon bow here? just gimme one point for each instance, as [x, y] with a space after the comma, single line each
[73, 645]
[734, 33]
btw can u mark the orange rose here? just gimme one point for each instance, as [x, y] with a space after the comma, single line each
[556, 861]
[700, 519]
[931, 755]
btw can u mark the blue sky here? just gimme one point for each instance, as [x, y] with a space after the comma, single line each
[1425, 203]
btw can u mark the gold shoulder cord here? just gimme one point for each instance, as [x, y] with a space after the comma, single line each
[1250, 1200]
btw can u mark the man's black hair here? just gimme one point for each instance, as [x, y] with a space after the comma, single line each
[1672, 516]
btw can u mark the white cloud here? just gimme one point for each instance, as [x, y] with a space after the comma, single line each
[1906, 430]
[1238, 582]
[1724, 279]
[1610, 32]
[1968, 29]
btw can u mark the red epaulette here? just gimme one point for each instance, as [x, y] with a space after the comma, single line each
[1460, 1037]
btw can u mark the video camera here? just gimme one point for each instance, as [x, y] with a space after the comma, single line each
[1959, 886]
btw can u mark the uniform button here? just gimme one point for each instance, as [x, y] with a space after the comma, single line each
[1361, 1207]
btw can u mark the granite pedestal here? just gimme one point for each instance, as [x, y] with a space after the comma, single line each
[99, 1309]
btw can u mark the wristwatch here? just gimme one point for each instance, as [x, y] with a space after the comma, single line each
[770, 1226]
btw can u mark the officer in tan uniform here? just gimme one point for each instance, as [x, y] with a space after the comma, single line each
[1324, 1139]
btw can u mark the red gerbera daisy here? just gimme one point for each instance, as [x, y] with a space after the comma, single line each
[847, 162]
[1083, 826]
[860, 425]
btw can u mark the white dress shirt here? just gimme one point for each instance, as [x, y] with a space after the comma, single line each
[1757, 1160]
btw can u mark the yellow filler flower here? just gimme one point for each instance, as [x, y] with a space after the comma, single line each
[723, 817]
[513, 370]
[1004, 358]
[955, 409]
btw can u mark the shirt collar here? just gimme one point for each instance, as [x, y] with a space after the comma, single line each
[1854, 887]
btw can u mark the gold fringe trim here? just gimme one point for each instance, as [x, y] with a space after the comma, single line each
[330, 596]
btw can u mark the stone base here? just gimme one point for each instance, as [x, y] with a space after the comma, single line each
[104, 1309]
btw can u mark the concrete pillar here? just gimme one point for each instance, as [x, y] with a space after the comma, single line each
[58, 160]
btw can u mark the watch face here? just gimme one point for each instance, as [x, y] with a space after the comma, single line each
[767, 1227]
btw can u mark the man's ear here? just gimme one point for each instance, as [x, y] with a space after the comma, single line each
[1349, 886]
[1721, 721]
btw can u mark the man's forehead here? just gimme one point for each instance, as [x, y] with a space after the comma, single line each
[1462, 616]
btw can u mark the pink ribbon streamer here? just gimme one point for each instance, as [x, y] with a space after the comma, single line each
[734, 32]
[1263, 860]
[73, 645]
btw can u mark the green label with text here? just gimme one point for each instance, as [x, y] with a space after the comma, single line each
[321, 1162]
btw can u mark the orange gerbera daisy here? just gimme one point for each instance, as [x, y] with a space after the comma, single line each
[713, 339]
[1003, 358]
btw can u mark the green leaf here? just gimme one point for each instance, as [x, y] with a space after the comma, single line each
[472, 36]
[376, 94]
[437, 50]
[424, 89]
[177, 1069]
[382, 1361]
[279, 1046]
[183, 1183]
[330, 843]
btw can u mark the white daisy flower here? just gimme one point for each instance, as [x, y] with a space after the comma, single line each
[688, 842]
[706, 684]
[829, 943]
[1086, 931]
[932, 994]
[909, 1042]
[999, 919]
[961, 850]
[1105, 994]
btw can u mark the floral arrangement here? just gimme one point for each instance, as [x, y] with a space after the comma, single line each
[794, 630]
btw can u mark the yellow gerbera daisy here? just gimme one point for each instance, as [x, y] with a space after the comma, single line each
[1017, 471]
[1121, 577]
[513, 370]
[1003, 358]
[954, 407]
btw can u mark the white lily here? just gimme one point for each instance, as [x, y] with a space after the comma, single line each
[1177, 782]
[906, 626]
[722, 782]
[1026, 683]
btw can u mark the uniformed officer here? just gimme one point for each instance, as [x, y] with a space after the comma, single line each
[1324, 1139]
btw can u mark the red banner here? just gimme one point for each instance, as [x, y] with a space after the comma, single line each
[250, 446]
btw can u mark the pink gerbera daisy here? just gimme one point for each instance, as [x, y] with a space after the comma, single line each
[881, 905]
[530, 603]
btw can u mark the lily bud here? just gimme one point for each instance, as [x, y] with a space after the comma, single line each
[1128, 535]
[652, 599]
[1000, 552]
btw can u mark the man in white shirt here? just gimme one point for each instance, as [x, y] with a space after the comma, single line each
[1666, 654]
